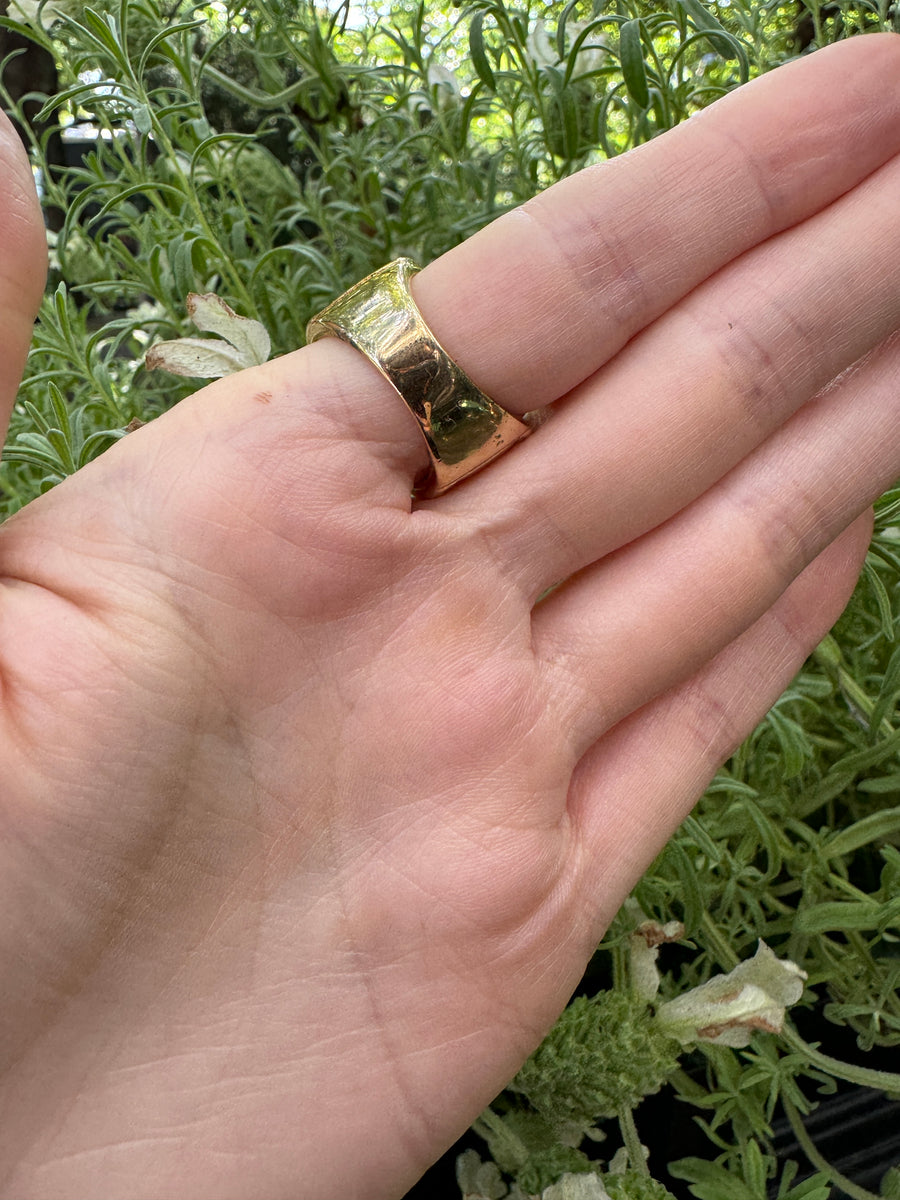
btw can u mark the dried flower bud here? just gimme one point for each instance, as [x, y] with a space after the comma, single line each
[727, 1009]
[644, 951]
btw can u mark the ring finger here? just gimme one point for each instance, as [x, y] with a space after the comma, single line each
[649, 615]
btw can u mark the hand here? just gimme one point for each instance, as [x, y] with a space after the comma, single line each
[312, 813]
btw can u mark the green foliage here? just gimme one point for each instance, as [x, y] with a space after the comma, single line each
[273, 153]
[711, 1181]
[604, 1055]
[633, 1185]
[527, 1148]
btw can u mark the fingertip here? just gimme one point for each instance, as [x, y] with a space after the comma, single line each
[821, 592]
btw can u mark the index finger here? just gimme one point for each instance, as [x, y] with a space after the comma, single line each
[540, 299]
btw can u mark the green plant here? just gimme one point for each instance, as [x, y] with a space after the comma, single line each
[271, 154]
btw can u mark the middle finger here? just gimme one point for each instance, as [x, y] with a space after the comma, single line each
[699, 389]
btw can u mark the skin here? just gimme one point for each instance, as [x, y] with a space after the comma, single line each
[311, 818]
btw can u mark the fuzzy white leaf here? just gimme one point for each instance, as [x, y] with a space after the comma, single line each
[212, 315]
[199, 358]
[478, 1180]
[576, 1187]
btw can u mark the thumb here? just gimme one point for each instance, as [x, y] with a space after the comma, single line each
[23, 264]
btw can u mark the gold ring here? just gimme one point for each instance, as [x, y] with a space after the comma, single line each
[463, 429]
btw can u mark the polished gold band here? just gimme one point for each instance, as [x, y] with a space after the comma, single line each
[463, 429]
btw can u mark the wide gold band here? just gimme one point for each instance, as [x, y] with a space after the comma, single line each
[463, 429]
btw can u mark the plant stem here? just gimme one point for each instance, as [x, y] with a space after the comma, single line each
[491, 1126]
[829, 656]
[637, 1159]
[883, 1081]
[854, 1190]
[725, 954]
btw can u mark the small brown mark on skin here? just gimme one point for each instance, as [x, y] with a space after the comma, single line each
[263, 397]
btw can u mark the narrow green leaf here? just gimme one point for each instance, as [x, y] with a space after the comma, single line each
[569, 113]
[103, 25]
[889, 693]
[169, 31]
[37, 443]
[103, 32]
[215, 139]
[843, 771]
[874, 828]
[36, 417]
[561, 28]
[702, 18]
[566, 111]
[27, 458]
[60, 303]
[323, 267]
[478, 52]
[795, 747]
[880, 592]
[139, 189]
[182, 259]
[97, 443]
[882, 785]
[768, 837]
[695, 830]
[60, 410]
[60, 444]
[634, 69]
[732, 787]
[887, 509]
[841, 915]
[711, 1181]
[754, 1168]
[723, 42]
[691, 899]
[71, 96]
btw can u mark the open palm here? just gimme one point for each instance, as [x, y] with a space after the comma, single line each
[313, 809]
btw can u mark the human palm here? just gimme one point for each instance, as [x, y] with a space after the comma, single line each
[316, 801]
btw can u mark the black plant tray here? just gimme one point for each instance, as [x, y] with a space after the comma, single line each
[857, 1131]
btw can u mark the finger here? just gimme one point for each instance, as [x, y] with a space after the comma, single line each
[617, 227]
[536, 302]
[23, 264]
[634, 788]
[741, 354]
[643, 619]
